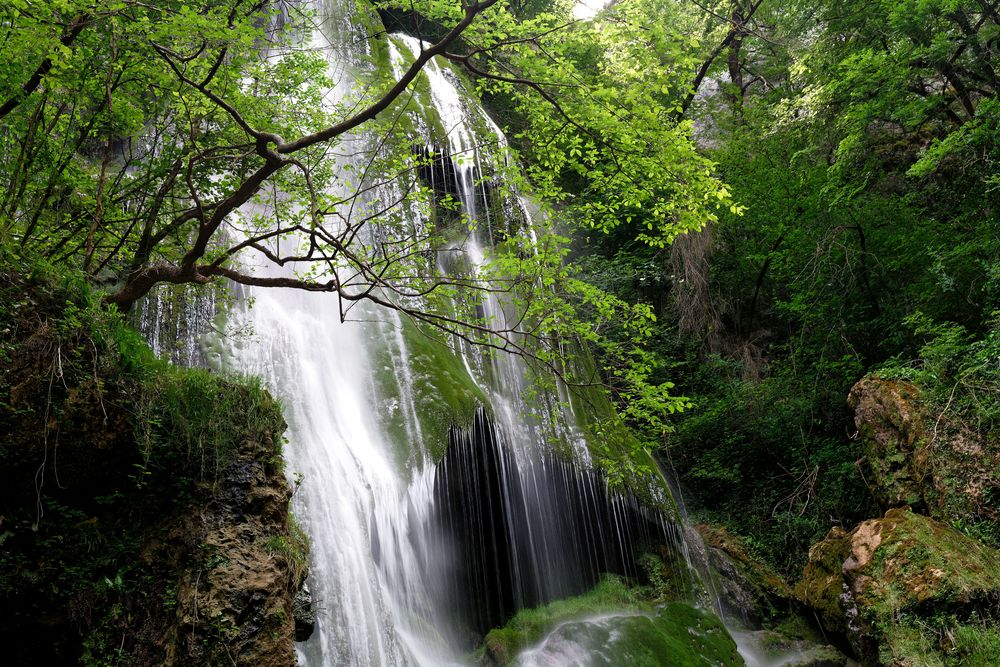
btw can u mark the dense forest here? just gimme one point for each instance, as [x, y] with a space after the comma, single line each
[746, 249]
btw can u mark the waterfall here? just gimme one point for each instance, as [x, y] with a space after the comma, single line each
[431, 518]
[522, 533]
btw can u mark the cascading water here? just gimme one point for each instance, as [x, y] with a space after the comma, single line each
[519, 533]
[413, 558]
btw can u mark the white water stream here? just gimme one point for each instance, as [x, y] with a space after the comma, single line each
[366, 517]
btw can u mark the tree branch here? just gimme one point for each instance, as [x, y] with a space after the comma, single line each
[72, 31]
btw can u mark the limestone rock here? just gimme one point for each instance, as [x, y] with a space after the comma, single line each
[891, 424]
[904, 565]
[925, 457]
[749, 590]
[237, 601]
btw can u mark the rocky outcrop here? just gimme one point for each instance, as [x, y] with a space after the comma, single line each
[758, 604]
[923, 456]
[235, 594]
[143, 508]
[748, 589]
[874, 584]
[891, 424]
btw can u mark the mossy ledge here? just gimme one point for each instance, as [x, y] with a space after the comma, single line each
[627, 624]
[143, 508]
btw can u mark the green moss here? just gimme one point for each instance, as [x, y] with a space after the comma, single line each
[618, 625]
[616, 629]
[530, 625]
[912, 582]
[927, 560]
[444, 393]
[679, 634]
[795, 626]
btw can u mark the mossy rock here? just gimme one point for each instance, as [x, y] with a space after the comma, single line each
[918, 453]
[769, 647]
[891, 423]
[749, 588]
[612, 624]
[897, 587]
[443, 393]
[528, 626]
[677, 634]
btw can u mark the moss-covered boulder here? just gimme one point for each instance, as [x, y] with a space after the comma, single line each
[898, 588]
[891, 424]
[612, 624]
[920, 453]
[764, 617]
[677, 634]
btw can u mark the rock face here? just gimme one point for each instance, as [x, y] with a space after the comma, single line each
[871, 585]
[143, 508]
[236, 598]
[924, 457]
[748, 589]
[891, 425]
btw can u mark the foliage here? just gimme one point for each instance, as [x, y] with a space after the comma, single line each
[860, 144]
[603, 94]
[169, 143]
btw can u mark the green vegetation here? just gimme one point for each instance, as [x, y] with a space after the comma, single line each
[679, 633]
[138, 132]
[863, 160]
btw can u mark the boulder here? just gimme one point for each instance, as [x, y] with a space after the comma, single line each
[924, 455]
[891, 424]
[877, 585]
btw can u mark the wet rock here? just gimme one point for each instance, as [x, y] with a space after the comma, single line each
[748, 589]
[677, 634]
[236, 601]
[773, 648]
[865, 583]
[303, 613]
